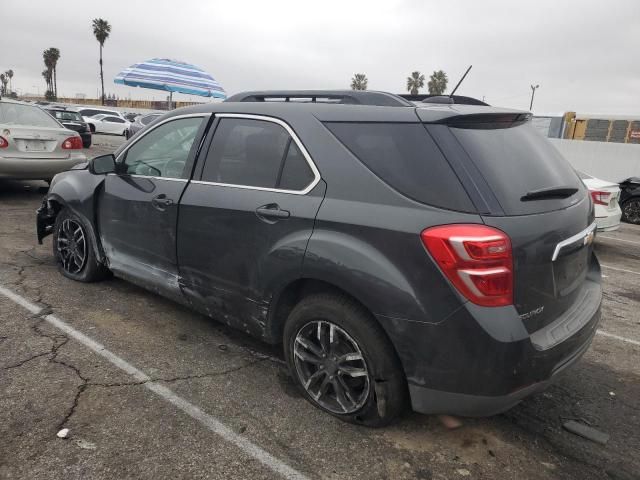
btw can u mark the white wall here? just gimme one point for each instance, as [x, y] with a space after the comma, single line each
[608, 161]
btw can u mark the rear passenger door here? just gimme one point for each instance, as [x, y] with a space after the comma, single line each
[244, 225]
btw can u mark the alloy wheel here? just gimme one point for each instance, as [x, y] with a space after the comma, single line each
[72, 246]
[632, 211]
[331, 367]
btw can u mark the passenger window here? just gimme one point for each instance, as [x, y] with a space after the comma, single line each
[255, 153]
[296, 173]
[163, 152]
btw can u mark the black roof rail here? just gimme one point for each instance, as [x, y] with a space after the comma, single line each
[444, 99]
[351, 97]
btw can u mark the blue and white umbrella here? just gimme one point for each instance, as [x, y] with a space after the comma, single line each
[171, 76]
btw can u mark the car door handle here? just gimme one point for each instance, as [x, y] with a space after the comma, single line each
[272, 210]
[161, 202]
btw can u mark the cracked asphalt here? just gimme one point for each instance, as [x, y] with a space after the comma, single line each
[118, 428]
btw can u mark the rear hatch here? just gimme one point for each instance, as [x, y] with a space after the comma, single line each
[525, 188]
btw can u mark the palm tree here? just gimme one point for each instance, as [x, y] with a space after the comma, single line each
[55, 56]
[359, 81]
[10, 76]
[50, 57]
[3, 87]
[415, 82]
[437, 83]
[101, 30]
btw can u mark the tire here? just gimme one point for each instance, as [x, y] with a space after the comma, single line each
[376, 381]
[85, 270]
[86, 143]
[631, 211]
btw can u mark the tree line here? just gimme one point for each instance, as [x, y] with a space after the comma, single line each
[436, 85]
[51, 56]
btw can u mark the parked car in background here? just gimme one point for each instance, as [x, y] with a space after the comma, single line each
[605, 197]
[73, 121]
[140, 122]
[106, 123]
[33, 145]
[397, 253]
[630, 200]
[130, 116]
[88, 112]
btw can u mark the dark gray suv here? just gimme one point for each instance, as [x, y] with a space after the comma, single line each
[438, 255]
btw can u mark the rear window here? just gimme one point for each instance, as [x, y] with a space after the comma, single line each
[65, 116]
[518, 160]
[405, 157]
[146, 120]
[27, 115]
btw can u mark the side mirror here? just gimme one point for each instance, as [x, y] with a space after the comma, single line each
[102, 164]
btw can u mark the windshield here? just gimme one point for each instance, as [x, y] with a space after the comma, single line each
[17, 114]
[66, 116]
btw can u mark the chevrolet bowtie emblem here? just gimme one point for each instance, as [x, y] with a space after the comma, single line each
[588, 239]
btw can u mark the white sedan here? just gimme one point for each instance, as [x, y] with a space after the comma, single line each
[605, 197]
[104, 123]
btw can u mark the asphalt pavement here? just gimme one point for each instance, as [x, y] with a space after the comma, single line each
[149, 389]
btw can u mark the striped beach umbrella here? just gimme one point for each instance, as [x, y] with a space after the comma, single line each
[171, 76]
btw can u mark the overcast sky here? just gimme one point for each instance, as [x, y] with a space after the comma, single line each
[583, 54]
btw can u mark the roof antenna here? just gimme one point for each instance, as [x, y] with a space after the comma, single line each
[463, 77]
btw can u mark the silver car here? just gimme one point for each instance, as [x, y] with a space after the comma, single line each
[33, 145]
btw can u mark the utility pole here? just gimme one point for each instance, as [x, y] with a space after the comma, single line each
[533, 93]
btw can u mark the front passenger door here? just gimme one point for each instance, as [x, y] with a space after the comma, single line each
[138, 207]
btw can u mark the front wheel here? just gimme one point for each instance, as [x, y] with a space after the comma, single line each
[73, 249]
[631, 211]
[343, 362]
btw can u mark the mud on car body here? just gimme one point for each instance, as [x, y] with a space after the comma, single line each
[439, 255]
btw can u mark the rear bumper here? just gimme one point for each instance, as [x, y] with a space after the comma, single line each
[428, 400]
[610, 222]
[482, 361]
[37, 168]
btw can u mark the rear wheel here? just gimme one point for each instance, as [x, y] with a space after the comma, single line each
[73, 249]
[631, 211]
[343, 362]
[86, 143]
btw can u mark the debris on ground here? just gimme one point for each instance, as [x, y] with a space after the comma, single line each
[85, 445]
[585, 431]
[463, 471]
[450, 422]
[64, 433]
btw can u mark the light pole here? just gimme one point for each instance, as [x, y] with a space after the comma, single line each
[533, 92]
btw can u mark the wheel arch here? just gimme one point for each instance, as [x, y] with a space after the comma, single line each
[76, 191]
[294, 292]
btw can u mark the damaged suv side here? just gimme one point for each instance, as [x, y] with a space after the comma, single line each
[438, 255]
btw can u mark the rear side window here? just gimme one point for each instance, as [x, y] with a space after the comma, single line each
[405, 157]
[255, 153]
[518, 160]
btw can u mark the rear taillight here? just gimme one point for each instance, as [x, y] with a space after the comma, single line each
[599, 197]
[3, 142]
[72, 143]
[477, 259]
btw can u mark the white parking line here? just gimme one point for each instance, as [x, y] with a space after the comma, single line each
[619, 269]
[212, 423]
[618, 337]
[619, 240]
